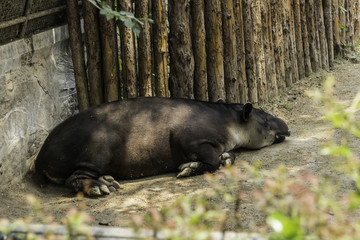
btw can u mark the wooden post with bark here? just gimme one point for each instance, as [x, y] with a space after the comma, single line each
[305, 38]
[322, 35]
[230, 54]
[128, 55]
[251, 74]
[214, 50]
[298, 37]
[199, 46]
[160, 48]
[93, 51]
[77, 52]
[144, 49]
[268, 49]
[110, 58]
[181, 78]
[310, 19]
[328, 21]
[259, 51]
[240, 45]
[276, 11]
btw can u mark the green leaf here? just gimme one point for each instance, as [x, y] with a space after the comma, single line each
[136, 29]
[355, 200]
[129, 23]
[284, 226]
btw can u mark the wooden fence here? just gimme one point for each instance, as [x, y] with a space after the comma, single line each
[238, 50]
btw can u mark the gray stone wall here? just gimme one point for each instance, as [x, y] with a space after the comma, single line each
[37, 91]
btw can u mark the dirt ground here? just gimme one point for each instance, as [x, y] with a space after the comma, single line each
[298, 152]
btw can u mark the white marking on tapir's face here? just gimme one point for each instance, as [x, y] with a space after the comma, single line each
[251, 135]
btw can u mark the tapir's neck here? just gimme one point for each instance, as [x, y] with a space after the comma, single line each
[237, 137]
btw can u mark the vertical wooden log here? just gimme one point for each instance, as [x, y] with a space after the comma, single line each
[276, 9]
[214, 50]
[241, 73]
[289, 73]
[144, 49]
[357, 19]
[293, 48]
[298, 38]
[314, 57]
[199, 45]
[342, 19]
[93, 51]
[324, 53]
[317, 33]
[77, 52]
[350, 21]
[336, 27]
[269, 49]
[329, 29]
[110, 60]
[251, 74]
[305, 37]
[128, 55]
[160, 48]
[230, 54]
[181, 78]
[259, 51]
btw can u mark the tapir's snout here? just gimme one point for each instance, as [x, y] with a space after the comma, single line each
[280, 137]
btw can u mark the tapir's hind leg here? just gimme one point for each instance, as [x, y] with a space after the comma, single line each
[90, 185]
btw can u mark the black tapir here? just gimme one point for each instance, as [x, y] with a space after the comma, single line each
[142, 137]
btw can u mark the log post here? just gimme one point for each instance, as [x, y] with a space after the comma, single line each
[259, 51]
[144, 49]
[251, 74]
[329, 29]
[277, 35]
[110, 61]
[93, 51]
[128, 55]
[285, 20]
[160, 48]
[299, 38]
[240, 39]
[199, 46]
[324, 53]
[310, 19]
[336, 27]
[181, 78]
[214, 50]
[77, 52]
[230, 54]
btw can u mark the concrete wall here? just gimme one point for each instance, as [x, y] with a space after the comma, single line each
[37, 91]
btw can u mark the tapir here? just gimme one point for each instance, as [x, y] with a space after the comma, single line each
[141, 137]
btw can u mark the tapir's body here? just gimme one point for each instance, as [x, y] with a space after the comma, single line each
[142, 137]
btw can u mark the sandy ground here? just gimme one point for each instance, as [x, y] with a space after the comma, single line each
[300, 151]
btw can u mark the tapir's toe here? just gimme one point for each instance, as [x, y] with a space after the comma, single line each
[227, 158]
[104, 185]
[190, 169]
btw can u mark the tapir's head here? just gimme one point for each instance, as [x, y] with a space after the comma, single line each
[260, 129]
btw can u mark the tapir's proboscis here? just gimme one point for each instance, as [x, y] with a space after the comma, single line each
[143, 137]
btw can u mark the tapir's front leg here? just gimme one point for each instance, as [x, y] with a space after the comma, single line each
[196, 168]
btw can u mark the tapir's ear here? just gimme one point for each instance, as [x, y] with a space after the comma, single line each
[247, 108]
[220, 100]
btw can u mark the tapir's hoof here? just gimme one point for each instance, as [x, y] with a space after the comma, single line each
[227, 158]
[102, 186]
[188, 169]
